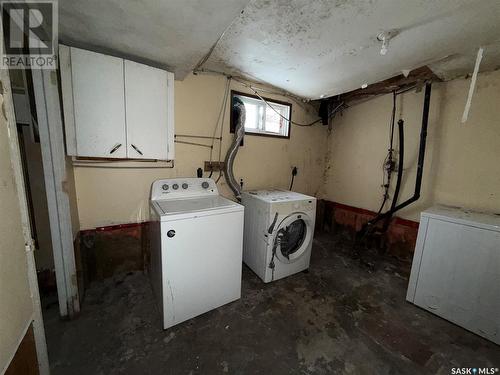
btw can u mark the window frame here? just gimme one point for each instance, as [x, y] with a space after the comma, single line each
[232, 125]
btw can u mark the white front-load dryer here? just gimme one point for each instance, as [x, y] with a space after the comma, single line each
[278, 232]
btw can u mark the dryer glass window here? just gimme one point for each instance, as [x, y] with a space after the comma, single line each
[293, 237]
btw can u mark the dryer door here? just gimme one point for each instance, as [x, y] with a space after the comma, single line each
[294, 234]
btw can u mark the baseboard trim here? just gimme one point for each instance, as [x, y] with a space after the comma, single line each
[400, 237]
[108, 228]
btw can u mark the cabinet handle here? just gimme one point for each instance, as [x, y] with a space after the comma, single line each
[115, 148]
[136, 149]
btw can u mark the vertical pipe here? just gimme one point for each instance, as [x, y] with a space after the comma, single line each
[420, 163]
[239, 132]
[400, 172]
[423, 139]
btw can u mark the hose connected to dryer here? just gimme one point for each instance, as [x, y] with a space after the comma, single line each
[276, 244]
[239, 132]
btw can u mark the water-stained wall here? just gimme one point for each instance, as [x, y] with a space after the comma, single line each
[461, 165]
[462, 160]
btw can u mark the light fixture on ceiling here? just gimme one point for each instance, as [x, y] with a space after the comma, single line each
[385, 37]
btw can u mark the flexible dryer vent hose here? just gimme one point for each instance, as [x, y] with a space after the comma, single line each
[239, 114]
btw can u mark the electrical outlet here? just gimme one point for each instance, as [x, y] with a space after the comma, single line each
[213, 166]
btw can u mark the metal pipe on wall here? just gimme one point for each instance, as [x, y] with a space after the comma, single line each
[195, 136]
[420, 163]
[400, 171]
[193, 144]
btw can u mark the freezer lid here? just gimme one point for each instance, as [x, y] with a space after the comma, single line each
[464, 216]
[191, 205]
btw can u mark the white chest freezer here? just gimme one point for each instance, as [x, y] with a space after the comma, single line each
[456, 269]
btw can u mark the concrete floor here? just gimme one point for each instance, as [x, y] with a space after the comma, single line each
[341, 317]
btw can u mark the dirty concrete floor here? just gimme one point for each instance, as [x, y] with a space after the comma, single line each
[341, 317]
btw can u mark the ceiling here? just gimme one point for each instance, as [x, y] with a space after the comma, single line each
[321, 48]
[174, 34]
[311, 48]
[462, 63]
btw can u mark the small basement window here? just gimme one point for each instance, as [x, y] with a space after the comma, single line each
[261, 119]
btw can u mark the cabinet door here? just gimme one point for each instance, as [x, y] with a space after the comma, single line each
[146, 103]
[99, 104]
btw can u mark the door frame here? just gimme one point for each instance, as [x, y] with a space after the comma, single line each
[50, 125]
[38, 327]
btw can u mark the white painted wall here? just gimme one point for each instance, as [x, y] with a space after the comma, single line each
[16, 307]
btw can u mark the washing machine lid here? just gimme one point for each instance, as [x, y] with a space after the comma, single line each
[180, 208]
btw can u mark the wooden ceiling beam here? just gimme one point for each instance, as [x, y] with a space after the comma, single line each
[416, 77]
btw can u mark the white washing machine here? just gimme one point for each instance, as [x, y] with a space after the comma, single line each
[196, 248]
[278, 234]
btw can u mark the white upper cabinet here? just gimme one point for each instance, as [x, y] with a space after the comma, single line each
[147, 112]
[99, 104]
[115, 108]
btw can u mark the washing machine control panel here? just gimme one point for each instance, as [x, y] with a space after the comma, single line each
[175, 188]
